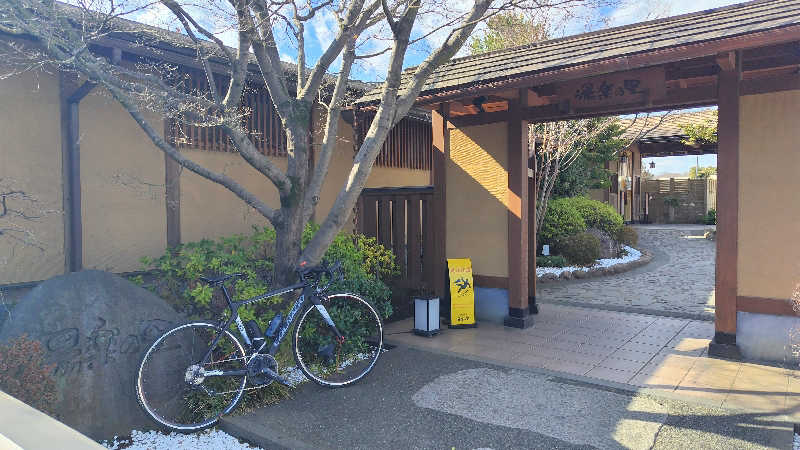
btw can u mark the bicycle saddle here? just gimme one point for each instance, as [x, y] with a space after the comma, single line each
[221, 278]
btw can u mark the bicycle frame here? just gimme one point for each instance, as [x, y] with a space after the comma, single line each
[309, 292]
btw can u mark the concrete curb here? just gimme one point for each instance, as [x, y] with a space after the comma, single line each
[265, 437]
[708, 317]
[598, 271]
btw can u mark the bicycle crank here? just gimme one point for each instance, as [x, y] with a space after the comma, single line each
[263, 370]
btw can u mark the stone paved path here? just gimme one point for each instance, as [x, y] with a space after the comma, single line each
[679, 280]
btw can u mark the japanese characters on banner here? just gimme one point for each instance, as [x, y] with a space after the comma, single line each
[462, 293]
[617, 88]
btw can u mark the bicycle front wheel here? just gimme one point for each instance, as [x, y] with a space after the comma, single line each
[181, 392]
[329, 361]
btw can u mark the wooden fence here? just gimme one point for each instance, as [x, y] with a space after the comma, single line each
[400, 218]
[694, 197]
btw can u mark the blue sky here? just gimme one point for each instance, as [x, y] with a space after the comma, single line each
[323, 27]
[678, 164]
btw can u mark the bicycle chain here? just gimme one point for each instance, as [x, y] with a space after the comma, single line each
[235, 390]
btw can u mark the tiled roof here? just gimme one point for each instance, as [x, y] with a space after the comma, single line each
[645, 37]
[666, 128]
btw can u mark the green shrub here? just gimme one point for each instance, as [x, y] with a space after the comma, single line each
[581, 249]
[711, 217]
[628, 236]
[365, 264]
[598, 215]
[551, 261]
[561, 219]
[24, 374]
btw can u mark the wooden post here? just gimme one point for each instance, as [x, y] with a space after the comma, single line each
[517, 199]
[70, 96]
[441, 153]
[532, 241]
[724, 343]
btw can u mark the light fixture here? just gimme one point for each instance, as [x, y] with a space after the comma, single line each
[624, 159]
[652, 164]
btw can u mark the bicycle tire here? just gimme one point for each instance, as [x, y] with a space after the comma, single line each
[308, 323]
[144, 394]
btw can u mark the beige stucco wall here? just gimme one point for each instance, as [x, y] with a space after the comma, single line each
[122, 187]
[477, 184]
[209, 210]
[769, 210]
[30, 160]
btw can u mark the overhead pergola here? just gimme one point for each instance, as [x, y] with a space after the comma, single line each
[701, 59]
[664, 135]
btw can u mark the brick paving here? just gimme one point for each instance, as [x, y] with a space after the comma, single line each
[660, 355]
[678, 281]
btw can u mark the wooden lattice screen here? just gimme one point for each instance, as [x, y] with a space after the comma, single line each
[262, 121]
[409, 144]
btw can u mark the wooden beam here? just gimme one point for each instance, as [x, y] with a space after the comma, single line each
[726, 61]
[728, 211]
[517, 201]
[762, 305]
[766, 84]
[621, 63]
[441, 153]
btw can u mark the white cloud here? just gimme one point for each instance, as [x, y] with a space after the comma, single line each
[325, 27]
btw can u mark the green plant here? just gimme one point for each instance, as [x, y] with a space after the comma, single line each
[551, 261]
[365, 265]
[598, 215]
[628, 236]
[561, 219]
[24, 374]
[581, 249]
[710, 217]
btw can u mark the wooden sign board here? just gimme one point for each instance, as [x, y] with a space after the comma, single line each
[462, 293]
[623, 88]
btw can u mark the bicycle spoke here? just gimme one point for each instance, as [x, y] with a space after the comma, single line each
[175, 391]
[329, 360]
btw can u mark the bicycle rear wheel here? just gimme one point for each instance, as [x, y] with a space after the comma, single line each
[322, 357]
[173, 386]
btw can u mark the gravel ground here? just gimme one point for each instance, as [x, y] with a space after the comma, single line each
[679, 279]
[212, 439]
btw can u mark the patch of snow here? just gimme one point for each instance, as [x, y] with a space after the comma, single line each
[796, 445]
[212, 439]
[631, 255]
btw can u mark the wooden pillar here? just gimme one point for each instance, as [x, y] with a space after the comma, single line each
[517, 199]
[441, 153]
[67, 84]
[70, 96]
[724, 344]
[532, 241]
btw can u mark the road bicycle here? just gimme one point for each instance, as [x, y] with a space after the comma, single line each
[198, 371]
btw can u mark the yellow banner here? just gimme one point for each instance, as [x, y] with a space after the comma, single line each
[462, 293]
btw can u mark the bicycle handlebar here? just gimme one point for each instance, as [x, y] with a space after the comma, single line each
[332, 272]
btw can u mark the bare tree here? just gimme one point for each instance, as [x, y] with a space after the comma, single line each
[364, 29]
[557, 145]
